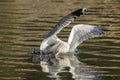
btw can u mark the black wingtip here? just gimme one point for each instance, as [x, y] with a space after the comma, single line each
[79, 12]
[103, 30]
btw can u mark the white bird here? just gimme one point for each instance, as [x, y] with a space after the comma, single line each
[81, 32]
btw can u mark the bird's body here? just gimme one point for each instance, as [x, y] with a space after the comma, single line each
[62, 51]
[81, 32]
[55, 47]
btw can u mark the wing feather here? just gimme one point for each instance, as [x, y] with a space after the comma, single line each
[82, 32]
[65, 21]
[52, 38]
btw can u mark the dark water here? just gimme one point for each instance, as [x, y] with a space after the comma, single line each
[24, 23]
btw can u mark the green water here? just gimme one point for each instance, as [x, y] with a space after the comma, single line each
[24, 23]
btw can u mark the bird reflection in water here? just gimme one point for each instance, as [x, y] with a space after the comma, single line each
[66, 67]
[55, 54]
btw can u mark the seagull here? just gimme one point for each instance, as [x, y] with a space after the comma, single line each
[79, 33]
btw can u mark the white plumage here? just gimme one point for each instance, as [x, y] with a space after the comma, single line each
[64, 51]
[81, 32]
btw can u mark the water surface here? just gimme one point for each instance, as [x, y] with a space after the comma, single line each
[24, 23]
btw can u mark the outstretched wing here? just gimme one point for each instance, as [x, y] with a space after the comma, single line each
[48, 42]
[65, 21]
[81, 33]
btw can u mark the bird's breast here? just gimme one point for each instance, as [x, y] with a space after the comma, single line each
[63, 47]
